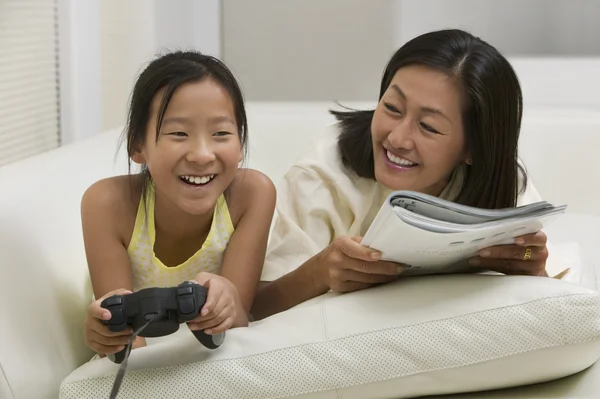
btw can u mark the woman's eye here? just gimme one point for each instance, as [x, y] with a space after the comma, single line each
[391, 108]
[428, 128]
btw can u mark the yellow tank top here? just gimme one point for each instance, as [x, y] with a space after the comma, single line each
[149, 271]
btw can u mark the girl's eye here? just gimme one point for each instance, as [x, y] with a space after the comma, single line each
[391, 108]
[222, 133]
[428, 128]
[178, 134]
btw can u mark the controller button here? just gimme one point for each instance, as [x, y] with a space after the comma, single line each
[114, 300]
[187, 305]
[150, 316]
[117, 317]
[184, 290]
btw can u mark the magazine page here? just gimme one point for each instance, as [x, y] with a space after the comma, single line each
[444, 210]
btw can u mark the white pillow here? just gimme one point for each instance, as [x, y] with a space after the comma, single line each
[415, 337]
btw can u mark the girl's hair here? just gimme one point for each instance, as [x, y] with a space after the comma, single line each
[168, 72]
[491, 114]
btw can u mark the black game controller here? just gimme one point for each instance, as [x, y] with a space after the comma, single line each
[165, 308]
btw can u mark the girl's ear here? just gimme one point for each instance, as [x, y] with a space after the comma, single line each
[138, 157]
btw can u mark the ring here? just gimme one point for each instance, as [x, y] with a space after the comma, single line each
[527, 255]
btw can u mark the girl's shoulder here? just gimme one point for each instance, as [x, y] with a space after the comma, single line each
[250, 188]
[116, 200]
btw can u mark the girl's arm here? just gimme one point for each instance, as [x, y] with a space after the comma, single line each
[253, 194]
[103, 211]
[103, 214]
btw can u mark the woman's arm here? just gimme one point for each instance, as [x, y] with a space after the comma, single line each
[254, 195]
[291, 289]
[310, 251]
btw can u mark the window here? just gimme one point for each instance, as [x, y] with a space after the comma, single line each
[29, 87]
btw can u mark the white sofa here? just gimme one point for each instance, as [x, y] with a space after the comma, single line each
[44, 284]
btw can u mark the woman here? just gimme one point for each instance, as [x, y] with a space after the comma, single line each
[447, 124]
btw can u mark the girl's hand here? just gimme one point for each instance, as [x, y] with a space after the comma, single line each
[97, 335]
[219, 312]
[526, 257]
[346, 265]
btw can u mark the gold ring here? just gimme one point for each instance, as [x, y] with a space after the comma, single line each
[527, 255]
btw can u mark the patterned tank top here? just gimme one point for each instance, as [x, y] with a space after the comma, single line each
[149, 271]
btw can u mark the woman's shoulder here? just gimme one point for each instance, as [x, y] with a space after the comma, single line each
[249, 188]
[323, 162]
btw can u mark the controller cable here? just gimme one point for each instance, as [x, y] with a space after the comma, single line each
[122, 368]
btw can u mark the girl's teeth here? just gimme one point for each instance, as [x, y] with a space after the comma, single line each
[198, 179]
[398, 160]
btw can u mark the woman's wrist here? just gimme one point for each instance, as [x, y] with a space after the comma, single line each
[316, 272]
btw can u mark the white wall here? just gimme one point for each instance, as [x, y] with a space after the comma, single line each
[308, 50]
[515, 27]
[337, 49]
[79, 67]
[133, 32]
[105, 44]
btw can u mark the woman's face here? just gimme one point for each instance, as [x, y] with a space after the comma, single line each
[417, 131]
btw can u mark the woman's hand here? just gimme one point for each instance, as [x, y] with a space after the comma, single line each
[97, 335]
[527, 256]
[346, 265]
[219, 312]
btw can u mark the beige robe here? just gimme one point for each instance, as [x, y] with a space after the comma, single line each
[319, 200]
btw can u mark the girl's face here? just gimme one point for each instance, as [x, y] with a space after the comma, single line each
[198, 150]
[417, 131]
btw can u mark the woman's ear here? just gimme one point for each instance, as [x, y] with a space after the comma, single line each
[469, 160]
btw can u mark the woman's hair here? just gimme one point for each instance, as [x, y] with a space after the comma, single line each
[168, 72]
[491, 114]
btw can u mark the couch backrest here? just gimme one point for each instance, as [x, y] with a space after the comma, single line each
[44, 281]
[44, 284]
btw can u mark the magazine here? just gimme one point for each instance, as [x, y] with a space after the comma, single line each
[430, 235]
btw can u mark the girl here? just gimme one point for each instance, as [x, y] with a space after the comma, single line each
[192, 213]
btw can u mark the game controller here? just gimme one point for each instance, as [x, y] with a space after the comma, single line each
[164, 308]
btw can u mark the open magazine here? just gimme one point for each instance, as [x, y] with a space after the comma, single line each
[431, 235]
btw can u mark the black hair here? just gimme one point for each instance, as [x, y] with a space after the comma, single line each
[491, 112]
[168, 72]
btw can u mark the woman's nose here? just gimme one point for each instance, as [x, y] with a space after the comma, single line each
[401, 136]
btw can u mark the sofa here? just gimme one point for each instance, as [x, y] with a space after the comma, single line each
[44, 283]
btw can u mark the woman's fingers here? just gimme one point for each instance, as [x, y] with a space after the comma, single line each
[538, 239]
[512, 267]
[353, 249]
[515, 252]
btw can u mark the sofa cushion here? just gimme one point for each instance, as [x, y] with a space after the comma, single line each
[417, 336]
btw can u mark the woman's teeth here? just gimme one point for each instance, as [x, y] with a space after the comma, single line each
[400, 161]
[199, 180]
